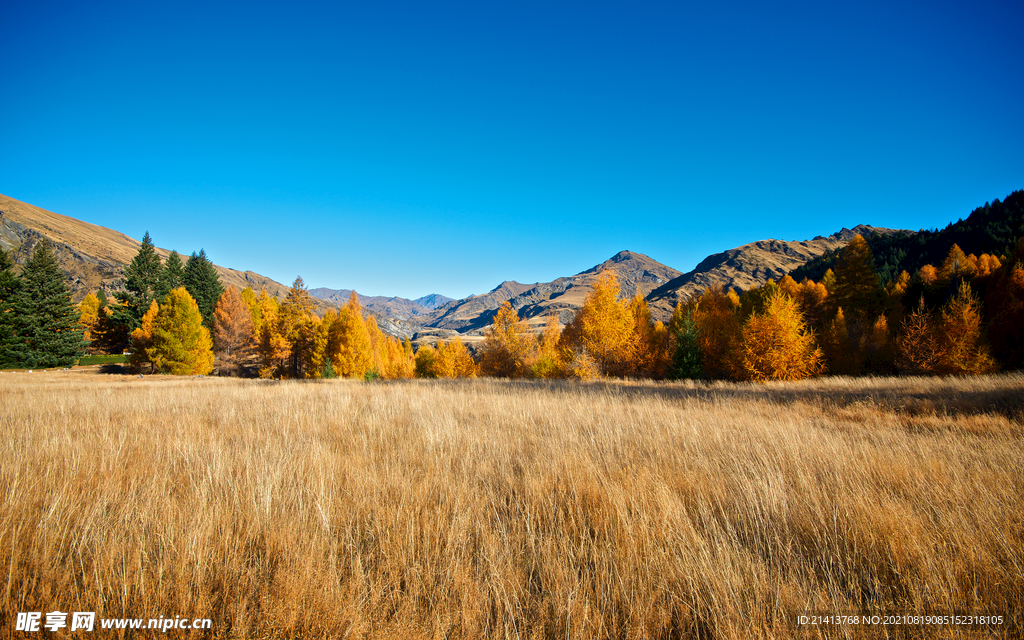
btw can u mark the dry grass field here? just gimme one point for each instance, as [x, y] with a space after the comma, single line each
[496, 509]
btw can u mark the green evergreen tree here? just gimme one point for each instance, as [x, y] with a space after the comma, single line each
[203, 284]
[46, 329]
[141, 279]
[170, 276]
[687, 361]
[9, 284]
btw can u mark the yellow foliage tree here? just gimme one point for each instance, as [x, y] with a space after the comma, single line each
[547, 364]
[181, 345]
[959, 333]
[142, 339]
[297, 324]
[777, 344]
[426, 358]
[349, 344]
[510, 347]
[601, 330]
[89, 318]
[454, 360]
[274, 348]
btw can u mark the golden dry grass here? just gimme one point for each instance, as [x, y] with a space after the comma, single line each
[483, 508]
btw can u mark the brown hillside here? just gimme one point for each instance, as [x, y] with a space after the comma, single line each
[94, 257]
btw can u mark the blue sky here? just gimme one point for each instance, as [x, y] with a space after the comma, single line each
[410, 148]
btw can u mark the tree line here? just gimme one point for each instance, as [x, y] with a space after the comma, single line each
[963, 316]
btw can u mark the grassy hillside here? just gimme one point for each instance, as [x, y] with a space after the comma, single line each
[993, 229]
[495, 509]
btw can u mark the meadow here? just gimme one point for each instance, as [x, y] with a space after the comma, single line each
[497, 509]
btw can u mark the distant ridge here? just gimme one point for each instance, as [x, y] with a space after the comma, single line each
[393, 307]
[562, 296]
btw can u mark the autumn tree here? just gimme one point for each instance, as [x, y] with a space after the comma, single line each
[547, 364]
[297, 324]
[232, 332]
[718, 332]
[601, 330]
[200, 278]
[181, 345]
[426, 359]
[453, 360]
[349, 343]
[510, 347]
[960, 350]
[777, 345]
[916, 345]
[647, 347]
[274, 349]
[89, 318]
[141, 339]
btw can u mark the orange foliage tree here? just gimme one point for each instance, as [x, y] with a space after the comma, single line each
[916, 346]
[547, 364]
[232, 331]
[142, 339]
[960, 350]
[777, 344]
[718, 332]
[510, 347]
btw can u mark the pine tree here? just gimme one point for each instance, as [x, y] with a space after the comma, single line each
[170, 276]
[687, 362]
[46, 330]
[141, 280]
[181, 344]
[9, 284]
[777, 344]
[858, 289]
[232, 332]
[203, 284]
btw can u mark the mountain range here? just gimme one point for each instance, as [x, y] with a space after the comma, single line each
[94, 257]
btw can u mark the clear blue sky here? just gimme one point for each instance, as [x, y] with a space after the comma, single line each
[410, 148]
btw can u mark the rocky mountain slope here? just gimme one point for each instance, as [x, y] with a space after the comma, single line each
[748, 266]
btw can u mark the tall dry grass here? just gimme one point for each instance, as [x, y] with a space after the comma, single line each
[477, 509]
